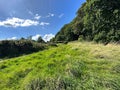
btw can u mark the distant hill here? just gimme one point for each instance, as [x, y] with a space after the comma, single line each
[72, 66]
[96, 20]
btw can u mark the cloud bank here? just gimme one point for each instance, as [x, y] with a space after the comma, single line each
[36, 37]
[47, 37]
[17, 22]
[12, 38]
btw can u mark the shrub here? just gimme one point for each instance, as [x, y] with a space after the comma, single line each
[18, 47]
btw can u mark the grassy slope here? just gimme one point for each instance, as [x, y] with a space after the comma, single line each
[75, 66]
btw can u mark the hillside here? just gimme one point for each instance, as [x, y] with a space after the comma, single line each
[96, 20]
[72, 66]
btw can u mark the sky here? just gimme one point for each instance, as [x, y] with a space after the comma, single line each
[24, 18]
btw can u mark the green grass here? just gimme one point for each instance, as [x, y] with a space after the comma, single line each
[74, 66]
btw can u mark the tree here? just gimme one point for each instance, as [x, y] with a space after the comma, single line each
[40, 40]
[96, 20]
[29, 38]
[22, 38]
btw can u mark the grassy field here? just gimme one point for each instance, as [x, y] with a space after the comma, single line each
[72, 66]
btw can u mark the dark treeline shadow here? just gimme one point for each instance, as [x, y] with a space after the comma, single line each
[14, 48]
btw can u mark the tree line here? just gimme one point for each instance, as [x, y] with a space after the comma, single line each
[13, 48]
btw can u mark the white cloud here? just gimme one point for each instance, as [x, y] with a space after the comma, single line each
[37, 17]
[61, 15]
[44, 23]
[12, 38]
[36, 37]
[50, 15]
[29, 23]
[17, 22]
[47, 37]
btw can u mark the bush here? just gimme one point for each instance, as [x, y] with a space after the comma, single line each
[80, 38]
[18, 47]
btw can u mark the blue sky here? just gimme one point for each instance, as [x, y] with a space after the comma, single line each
[23, 18]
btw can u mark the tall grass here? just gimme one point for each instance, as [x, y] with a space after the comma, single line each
[72, 66]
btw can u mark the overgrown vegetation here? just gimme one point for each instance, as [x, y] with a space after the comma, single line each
[97, 20]
[72, 66]
[13, 48]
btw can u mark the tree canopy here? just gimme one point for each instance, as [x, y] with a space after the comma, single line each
[97, 20]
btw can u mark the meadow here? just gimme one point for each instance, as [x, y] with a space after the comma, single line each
[72, 66]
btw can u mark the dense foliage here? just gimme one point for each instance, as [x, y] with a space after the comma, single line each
[12, 48]
[97, 20]
[40, 40]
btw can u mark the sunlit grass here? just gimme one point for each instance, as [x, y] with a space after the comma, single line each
[75, 66]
